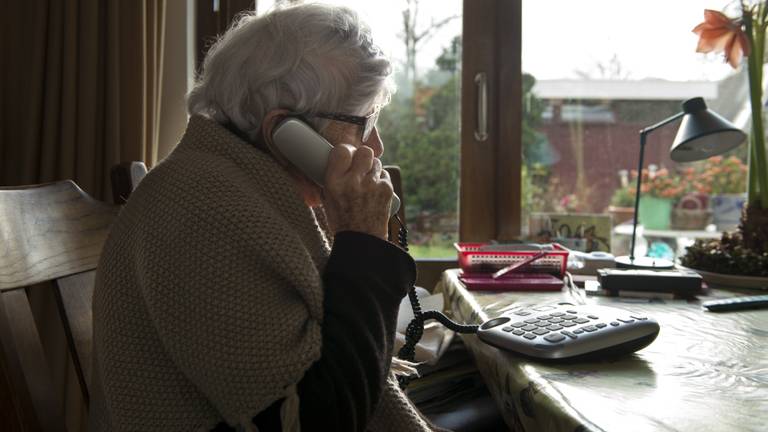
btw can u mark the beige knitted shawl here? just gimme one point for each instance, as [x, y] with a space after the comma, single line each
[209, 299]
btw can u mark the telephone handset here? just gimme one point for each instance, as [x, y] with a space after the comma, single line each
[308, 151]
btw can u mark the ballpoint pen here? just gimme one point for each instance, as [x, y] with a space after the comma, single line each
[518, 265]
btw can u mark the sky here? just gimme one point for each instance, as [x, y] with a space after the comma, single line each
[648, 38]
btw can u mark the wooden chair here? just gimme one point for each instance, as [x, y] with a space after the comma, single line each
[51, 238]
[125, 177]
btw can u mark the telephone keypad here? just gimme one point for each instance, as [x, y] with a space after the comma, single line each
[555, 326]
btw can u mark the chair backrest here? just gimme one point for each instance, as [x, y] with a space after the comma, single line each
[51, 238]
[125, 177]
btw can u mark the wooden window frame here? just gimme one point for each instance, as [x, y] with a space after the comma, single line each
[490, 195]
[490, 186]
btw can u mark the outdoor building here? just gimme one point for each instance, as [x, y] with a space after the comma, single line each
[591, 130]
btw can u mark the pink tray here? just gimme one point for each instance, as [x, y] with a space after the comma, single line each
[511, 282]
[473, 260]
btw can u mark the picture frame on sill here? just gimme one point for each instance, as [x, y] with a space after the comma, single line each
[585, 232]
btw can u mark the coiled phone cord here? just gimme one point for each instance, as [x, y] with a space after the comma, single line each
[415, 329]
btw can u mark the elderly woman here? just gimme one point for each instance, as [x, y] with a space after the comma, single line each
[224, 301]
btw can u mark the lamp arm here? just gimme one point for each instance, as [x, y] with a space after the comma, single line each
[643, 133]
[662, 123]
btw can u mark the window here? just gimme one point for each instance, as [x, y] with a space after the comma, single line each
[623, 67]
[456, 186]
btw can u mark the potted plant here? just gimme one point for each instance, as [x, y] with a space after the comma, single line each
[622, 208]
[658, 194]
[725, 179]
[691, 212]
[743, 252]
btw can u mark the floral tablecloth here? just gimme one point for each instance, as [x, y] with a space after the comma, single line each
[704, 372]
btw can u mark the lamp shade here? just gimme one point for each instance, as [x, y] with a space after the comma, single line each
[703, 133]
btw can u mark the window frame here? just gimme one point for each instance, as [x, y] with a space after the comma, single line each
[490, 181]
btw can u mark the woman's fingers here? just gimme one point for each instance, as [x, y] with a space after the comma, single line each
[362, 161]
[376, 170]
[358, 191]
[339, 161]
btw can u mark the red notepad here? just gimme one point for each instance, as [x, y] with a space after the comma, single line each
[511, 282]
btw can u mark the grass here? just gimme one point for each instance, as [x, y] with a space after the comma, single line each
[432, 251]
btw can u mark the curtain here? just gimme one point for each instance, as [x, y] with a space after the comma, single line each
[81, 85]
[81, 89]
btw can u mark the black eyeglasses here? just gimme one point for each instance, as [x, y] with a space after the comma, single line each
[368, 122]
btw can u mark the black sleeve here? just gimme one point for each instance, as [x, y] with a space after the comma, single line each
[365, 279]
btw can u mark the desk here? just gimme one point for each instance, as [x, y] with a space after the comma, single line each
[704, 372]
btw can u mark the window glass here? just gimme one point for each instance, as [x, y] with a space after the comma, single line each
[595, 73]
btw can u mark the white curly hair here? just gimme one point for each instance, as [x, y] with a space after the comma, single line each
[307, 59]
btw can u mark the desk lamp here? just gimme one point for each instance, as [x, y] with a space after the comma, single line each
[702, 134]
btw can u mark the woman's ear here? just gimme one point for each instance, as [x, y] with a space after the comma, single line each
[268, 124]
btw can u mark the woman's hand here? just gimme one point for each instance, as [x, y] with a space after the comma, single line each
[358, 192]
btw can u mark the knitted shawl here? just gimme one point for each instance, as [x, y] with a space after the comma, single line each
[208, 303]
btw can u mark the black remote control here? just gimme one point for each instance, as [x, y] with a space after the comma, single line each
[737, 303]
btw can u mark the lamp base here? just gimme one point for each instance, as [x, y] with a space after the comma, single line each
[647, 263]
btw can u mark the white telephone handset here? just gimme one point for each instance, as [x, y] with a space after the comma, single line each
[308, 151]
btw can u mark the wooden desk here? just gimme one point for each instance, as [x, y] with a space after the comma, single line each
[704, 372]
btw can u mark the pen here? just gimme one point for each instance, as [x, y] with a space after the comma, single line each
[518, 265]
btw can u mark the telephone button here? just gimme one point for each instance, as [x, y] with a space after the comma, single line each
[494, 323]
[554, 338]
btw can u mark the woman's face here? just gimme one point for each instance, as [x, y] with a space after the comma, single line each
[338, 132]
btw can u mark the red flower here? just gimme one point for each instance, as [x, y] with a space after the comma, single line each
[719, 33]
